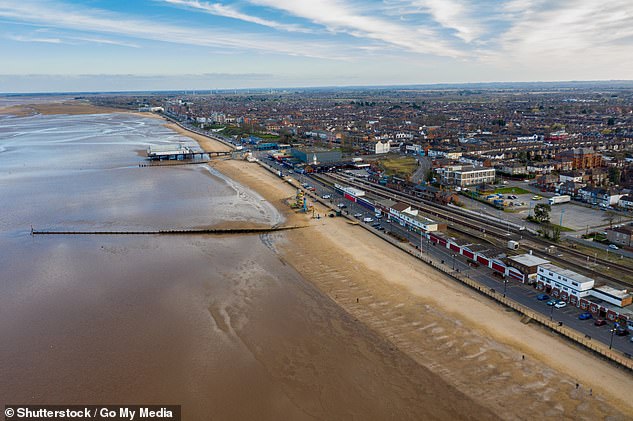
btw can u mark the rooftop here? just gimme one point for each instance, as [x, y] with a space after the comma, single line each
[528, 260]
[566, 273]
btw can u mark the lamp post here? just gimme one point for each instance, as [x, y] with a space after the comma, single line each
[505, 285]
[454, 255]
[551, 313]
[612, 332]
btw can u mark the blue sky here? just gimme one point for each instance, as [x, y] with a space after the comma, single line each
[94, 45]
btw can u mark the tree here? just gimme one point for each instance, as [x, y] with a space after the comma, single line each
[609, 216]
[614, 175]
[541, 212]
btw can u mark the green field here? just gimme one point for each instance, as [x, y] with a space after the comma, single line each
[402, 167]
[512, 190]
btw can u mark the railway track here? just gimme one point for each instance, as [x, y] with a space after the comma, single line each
[485, 226]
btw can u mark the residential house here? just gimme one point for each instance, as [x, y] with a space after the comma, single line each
[621, 235]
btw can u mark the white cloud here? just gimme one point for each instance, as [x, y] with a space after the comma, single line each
[570, 29]
[452, 14]
[365, 22]
[59, 15]
[219, 9]
[21, 38]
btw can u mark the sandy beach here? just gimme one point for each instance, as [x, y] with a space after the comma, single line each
[74, 107]
[439, 349]
[469, 341]
[207, 144]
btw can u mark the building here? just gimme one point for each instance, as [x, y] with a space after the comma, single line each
[621, 235]
[599, 196]
[382, 147]
[512, 168]
[406, 216]
[316, 156]
[465, 175]
[528, 265]
[626, 202]
[613, 296]
[581, 158]
[563, 283]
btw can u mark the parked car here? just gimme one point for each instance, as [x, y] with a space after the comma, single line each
[368, 220]
[560, 304]
[552, 302]
[621, 331]
[585, 316]
[326, 196]
[542, 297]
[358, 215]
[600, 322]
[380, 228]
[613, 247]
[537, 197]
[342, 205]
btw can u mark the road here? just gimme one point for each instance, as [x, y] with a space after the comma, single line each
[521, 293]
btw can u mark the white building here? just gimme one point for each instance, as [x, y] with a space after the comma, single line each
[564, 280]
[613, 296]
[466, 175]
[407, 216]
[382, 147]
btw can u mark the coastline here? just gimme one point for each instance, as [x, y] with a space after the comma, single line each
[425, 314]
[471, 343]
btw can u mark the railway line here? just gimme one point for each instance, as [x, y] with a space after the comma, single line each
[460, 219]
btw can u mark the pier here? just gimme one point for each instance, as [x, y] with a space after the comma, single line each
[168, 152]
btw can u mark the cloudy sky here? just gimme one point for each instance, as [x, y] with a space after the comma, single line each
[97, 45]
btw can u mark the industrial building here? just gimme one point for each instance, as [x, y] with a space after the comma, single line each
[528, 265]
[316, 156]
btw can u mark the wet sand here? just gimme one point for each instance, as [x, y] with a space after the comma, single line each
[220, 324]
[268, 326]
[470, 342]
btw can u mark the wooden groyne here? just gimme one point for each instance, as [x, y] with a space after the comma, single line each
[172, 232]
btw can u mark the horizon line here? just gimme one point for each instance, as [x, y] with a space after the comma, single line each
[448, 85]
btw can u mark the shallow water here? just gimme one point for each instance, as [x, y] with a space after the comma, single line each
[219, 324]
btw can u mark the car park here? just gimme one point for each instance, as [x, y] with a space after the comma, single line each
[585, 316]
[600, 322]
[560, 304]
[542, 297]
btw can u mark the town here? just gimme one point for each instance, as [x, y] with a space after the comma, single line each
[548, 171]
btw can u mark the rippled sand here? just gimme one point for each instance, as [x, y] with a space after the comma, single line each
[219, 324]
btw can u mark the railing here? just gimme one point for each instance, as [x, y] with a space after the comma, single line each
[622, 359]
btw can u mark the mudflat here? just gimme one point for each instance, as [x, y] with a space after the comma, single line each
[469, 342]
